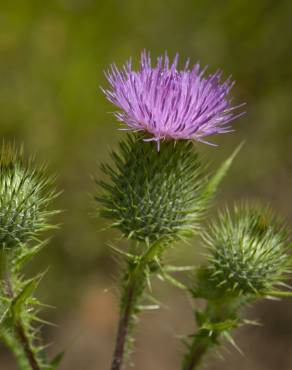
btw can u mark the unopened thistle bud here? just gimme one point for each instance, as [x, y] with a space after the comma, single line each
[24, 197]
[153, 195]
[247, 253]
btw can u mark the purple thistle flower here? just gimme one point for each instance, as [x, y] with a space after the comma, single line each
[171, 104]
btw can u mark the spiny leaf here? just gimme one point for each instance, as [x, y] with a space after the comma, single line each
[170, 268]
[216, 179]
[128, 256]
[278, 293]
[220, 326]
[57, 360]
[4, 315]
[155, 301]
[173, 281]
[22, 297]
[26, 253]
[148, 307]
[229, 338]
[251, 322]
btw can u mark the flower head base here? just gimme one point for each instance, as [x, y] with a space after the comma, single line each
[153, 196]
[24, 198]
[247, 253]
[168, 103]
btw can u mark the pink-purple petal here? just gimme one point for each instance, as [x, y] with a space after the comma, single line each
[168, 103]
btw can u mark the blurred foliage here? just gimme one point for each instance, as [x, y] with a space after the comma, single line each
[53, 54]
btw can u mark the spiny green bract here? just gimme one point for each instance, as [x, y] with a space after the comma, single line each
[247, 252]
[153, 195]
[24, 197]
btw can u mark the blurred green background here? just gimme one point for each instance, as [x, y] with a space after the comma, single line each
[52, 57]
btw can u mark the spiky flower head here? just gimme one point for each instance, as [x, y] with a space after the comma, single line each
[168, 103]
[247, 252]
[24, 197]
[153, 195]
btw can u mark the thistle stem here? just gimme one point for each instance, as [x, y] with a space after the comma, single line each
[123, 329]
[18, 326]
[208, 335]
[132, 293]
[197, 351]
[26, 346]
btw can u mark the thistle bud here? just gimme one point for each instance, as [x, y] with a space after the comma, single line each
[247, 253]
[153, 195]
[24, 198]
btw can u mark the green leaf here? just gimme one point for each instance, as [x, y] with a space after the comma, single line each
[173, 281]
[148, 307]
[22, 297]
[201, 317]
[155, 301]
[170, 268]
[128, 256]
[229, 338]
[4, 315]
[278, 293]
[57, 360]
[220, 326]
[215, 181]
[27, 253]
[251, 322]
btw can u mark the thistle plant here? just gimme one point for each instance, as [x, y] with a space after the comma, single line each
[25, 196]
[247, 260]
[156, 191]
[156, 194]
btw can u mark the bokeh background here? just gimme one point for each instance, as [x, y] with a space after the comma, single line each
[52, 57]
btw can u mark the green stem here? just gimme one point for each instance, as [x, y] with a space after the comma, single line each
[26, 346]
[123, 328]
[200, 346]
[22, 338]
[211, 323]
[132, 292]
